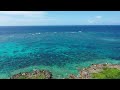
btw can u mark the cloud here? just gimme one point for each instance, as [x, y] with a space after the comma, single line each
[24, 18]
[98, 17]
[23, 13]
[95, 19]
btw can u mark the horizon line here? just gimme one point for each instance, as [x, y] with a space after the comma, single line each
[60, 25]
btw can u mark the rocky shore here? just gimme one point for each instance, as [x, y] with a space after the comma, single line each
[85, 73]
[36, 74]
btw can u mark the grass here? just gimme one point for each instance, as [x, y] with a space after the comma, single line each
[107, 73]
[40, 76]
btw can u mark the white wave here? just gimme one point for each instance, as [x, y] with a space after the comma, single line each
[75, 32]
[37, 33]
[80, 31]
[110, 39]
[11, 36]
[33, 34]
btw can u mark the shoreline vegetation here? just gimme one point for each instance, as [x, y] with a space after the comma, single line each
[95, 71]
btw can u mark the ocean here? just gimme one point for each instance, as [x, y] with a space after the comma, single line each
[63, 50]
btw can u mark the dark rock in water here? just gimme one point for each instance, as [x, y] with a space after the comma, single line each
[23, 50]
[36, 74]
[116, 58]
[15, 51]
[72, 76]
[4, 52]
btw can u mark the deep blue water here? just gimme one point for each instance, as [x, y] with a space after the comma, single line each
[61, 49]
[32, 29]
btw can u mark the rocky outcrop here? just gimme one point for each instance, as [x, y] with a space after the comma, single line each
[36, 74]
[83, 74]
[94, 68]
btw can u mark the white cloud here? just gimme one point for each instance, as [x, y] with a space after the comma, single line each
[23, 12]
[95, 19]
[98, 17]
[24, 18]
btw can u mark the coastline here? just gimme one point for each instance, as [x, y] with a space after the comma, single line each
[85, 73]
[59, 72]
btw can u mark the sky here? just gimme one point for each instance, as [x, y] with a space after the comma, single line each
[41, 18]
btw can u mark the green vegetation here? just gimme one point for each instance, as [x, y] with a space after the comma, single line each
[40, 76]
[107, 73]
[22, 77]
[101, 71]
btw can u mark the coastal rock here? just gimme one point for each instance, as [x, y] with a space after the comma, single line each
[36, 74]
[72, 76]
[86, 73]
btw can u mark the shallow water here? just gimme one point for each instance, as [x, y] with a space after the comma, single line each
[61, 49]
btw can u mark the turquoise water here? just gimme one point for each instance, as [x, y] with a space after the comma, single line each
[63, 50]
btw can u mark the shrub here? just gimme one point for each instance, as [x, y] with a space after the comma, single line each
[107, 73]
